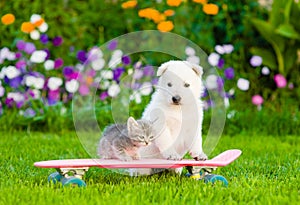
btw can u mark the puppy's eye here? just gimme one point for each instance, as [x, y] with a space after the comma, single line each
[169, 84]
[186, 85]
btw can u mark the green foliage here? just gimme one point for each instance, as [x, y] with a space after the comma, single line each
[281, 30]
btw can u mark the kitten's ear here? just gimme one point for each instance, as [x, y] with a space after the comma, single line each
[132, 124]
[162, 69]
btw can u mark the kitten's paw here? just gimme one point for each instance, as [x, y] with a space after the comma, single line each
[136, 157]
[201, 157]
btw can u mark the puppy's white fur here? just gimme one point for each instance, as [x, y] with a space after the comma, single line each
[178, 125]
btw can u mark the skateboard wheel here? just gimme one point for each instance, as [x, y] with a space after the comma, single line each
[212, 178]
[54, 177]
[73, 181]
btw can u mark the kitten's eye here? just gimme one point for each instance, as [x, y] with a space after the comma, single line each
[186, 85]
[151, 137]
[141, 138]
[169, 84]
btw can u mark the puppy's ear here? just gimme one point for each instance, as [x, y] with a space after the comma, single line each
[162, 69]
[196, 68]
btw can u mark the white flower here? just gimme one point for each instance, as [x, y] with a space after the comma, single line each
[219, 49]
[79, 67]
[105, 84]
[107, 74]
[17, 97]
[114, 90]
[4, 53]
[190, 51]
[228, 48]
[72, 86]
[38, 56]
[49, 64]
[146, 88]
[265, 70]
[243, 84]
[36, 82]
[44, 27]
[211, 82]
[36, 94]
[11, 56]
[194, 59]
[96, 53]
[116, 58]
[35, 17]
[54, 83]
[98, 64]
[2, 91]
[213, 59]
[35, 35]
[136, 97]
[12, 72]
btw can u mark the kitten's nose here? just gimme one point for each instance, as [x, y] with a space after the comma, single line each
[176, 99]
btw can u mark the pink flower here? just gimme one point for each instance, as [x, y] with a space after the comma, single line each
[257, 100]
[280, 80]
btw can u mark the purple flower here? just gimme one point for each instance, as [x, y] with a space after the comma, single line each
[48, 53]
[118, 73]
[221, 63]
[29, 48]
[154, 81]
[229, 73]
[148, 70]
[256, 61]
[21, 45]
[15, 82]
[84, 90]
[126, 60]
[220, 83]
[57, 41]
[68, 71]
[81, 56]
[18, 54]
[103, 95]
[112, 45]
[21, 64]
[29, 112]
[9, 102]
[280, 81]
[44, 38]
[58, 63]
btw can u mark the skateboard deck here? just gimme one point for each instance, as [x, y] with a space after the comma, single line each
[220, 160]
[71, 171]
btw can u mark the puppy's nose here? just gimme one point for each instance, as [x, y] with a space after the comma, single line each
[176, 99]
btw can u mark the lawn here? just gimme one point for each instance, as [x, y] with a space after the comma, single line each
[267, 173]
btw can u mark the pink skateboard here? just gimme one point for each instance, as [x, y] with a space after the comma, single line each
[71, 171]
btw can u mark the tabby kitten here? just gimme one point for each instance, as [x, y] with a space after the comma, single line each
[122, 141]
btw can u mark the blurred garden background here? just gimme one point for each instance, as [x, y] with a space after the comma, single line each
[44, 46]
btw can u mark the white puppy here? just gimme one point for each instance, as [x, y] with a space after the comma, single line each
[177, 111]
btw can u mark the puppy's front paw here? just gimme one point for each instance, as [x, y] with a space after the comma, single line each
[201, 157]
[172, 156]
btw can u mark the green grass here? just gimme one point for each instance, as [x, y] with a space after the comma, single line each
[267, 173]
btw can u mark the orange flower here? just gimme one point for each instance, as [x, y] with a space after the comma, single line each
[200, 1]
[8, 19]
[27, 27]
[210, 9]
[39, 22]
[169, 12]
[173, 2]
[129, 4]
[165, 26]
[152, 14]
[89, 80]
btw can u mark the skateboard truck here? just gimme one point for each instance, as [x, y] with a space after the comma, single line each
[69, 176]
[205, 173]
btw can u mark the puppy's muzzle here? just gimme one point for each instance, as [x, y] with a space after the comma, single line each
[176, 99]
